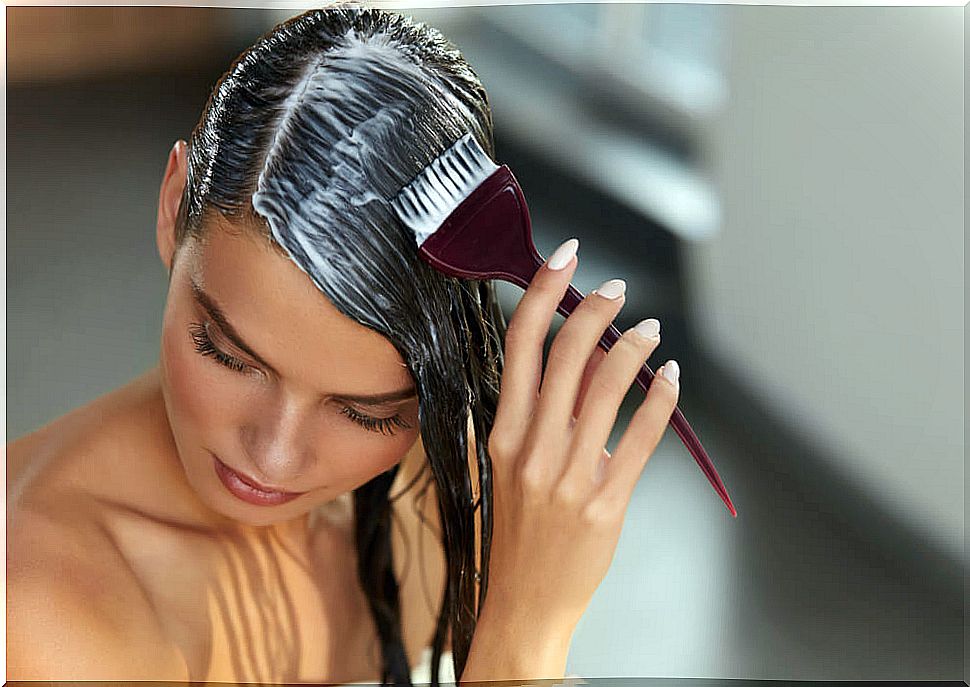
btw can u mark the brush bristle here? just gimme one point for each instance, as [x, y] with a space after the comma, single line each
[434, 194]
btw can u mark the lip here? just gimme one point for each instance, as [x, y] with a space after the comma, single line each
[246, 490]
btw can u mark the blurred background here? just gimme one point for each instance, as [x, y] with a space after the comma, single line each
[782, 187]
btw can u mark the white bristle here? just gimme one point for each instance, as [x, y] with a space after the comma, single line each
[428, 200]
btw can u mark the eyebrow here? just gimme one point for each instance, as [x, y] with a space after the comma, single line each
[219, 317]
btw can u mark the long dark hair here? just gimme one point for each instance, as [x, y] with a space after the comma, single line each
[306, 137]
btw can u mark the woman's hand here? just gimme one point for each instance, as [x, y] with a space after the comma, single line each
[559, 498]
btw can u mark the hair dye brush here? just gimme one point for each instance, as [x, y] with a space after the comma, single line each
[470, 220]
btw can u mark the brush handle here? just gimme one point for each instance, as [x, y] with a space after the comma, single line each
[566, 306]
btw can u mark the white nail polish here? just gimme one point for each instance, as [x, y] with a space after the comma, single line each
[671, 371]
[648, 329]
[612, 289]
[562, 255]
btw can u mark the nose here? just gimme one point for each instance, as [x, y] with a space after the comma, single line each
[277, 442]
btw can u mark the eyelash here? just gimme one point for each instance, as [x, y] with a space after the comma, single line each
[204, 345]
[383, 425]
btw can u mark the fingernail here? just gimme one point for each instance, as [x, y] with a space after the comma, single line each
[612, 289]
[671, 371]
[562, 255]
[649, 329]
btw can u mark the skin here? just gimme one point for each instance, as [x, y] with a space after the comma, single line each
[156, 570]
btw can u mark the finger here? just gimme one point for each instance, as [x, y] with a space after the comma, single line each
[598, 356]
[641, 437]
[573, 344]
[607, 391]
[524, 339]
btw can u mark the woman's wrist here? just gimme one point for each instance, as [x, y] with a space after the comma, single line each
[507, 647]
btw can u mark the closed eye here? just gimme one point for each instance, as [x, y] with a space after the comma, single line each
[204, 345]
[382, 425]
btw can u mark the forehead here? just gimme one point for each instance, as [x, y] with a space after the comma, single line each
[287, 320]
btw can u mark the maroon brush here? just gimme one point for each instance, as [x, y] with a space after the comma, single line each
[470, 220]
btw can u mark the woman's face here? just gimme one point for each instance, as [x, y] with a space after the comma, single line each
[274, 397]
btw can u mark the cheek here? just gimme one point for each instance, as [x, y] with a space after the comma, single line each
[355, 456]
[196, 398]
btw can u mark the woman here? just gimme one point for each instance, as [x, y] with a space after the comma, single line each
[291, 494]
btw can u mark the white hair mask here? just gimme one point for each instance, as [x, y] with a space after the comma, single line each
[347, 106]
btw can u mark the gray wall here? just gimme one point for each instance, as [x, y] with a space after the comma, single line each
[836, 286]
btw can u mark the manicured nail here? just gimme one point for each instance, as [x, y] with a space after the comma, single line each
[649, 329]
[671, 371]
[562, 255]
[612, 289]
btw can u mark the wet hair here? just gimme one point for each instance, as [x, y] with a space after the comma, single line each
[303, 141]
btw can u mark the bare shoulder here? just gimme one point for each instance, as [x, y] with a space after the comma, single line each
[74, 609]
